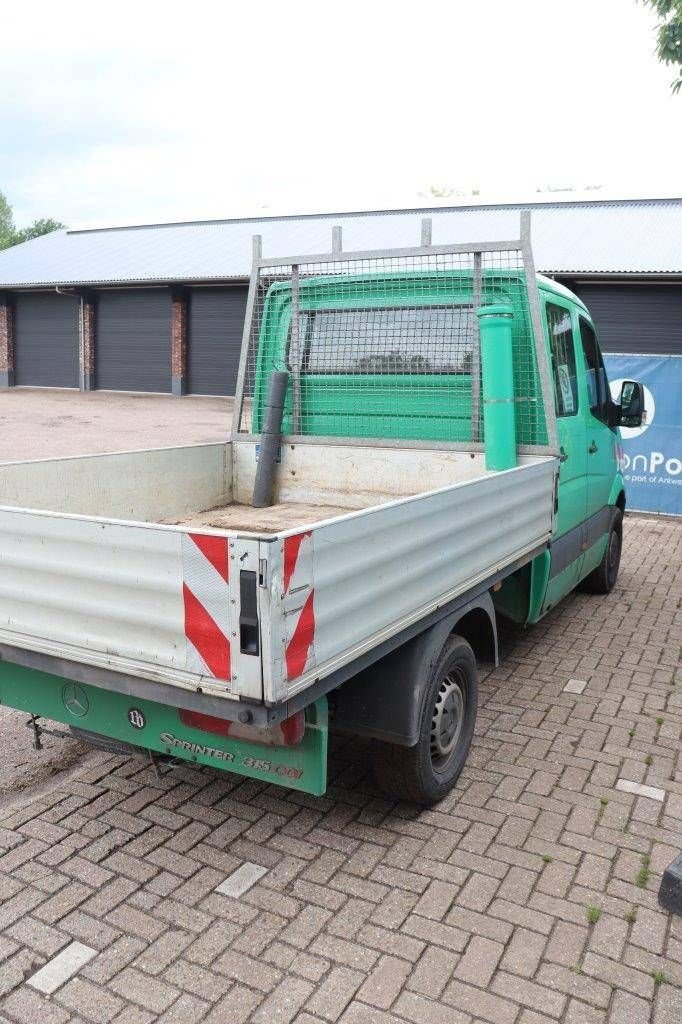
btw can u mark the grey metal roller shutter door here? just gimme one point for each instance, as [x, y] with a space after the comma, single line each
[216, 322]
[45, 340]
[634, 318]
[133, 340]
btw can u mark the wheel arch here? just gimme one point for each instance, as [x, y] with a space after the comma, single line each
[384, 701]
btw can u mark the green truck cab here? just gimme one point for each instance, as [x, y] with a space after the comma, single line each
[591, 492]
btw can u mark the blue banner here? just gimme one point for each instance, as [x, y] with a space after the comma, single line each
[652, 454]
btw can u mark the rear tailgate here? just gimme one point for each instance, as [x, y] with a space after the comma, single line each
[156, 602]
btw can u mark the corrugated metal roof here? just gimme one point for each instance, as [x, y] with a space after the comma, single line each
[595, 237]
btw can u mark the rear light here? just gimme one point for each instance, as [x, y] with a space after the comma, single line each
[293, 729]
[205, 723]
[288, 733]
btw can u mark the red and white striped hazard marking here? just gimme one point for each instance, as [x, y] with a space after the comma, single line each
[299, 604]
[205, 591]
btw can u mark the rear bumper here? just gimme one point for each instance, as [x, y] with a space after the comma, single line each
[137, 687]
[151, 725]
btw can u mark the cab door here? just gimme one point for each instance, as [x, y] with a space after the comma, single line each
[600, 445]
[566, 548]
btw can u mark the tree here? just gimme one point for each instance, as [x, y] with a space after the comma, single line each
[9, 235]
[6, 223]
[42, 226]
[669, 35]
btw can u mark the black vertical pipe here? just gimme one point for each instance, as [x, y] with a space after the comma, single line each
[270, 439]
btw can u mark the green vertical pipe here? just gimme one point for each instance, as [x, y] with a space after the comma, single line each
[497, 369]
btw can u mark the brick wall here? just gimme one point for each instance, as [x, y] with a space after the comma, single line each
[179, 341]
[88, 324]
[6, 342]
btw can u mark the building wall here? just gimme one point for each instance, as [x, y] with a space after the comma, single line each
[191, 336]
[644, 317]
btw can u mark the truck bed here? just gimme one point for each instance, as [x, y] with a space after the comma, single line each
[139, 564]
[274, 519]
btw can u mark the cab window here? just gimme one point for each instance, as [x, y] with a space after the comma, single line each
[563, 359]
[597, 384]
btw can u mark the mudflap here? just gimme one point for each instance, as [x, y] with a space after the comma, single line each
[152, 726]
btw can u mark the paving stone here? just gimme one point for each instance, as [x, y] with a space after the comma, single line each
[432, 971]
[336, 991]
[241, 880]
[420, 1010]
[652, 792]
[236, 1007]
[188, 977]
[575, 686]
[61, 967]
[479, 962]
[284, 1002]
[385, 982]
[29, 1007]
[187, 1009]
[150, 993]
[89, 1001]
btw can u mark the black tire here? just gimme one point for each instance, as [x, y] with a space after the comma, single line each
[425, 773]
[602, 580]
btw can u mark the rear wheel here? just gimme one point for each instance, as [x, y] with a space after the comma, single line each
[426, 772]
[602, 580]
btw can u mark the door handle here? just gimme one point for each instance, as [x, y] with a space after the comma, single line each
[592, 449]
[562, 454]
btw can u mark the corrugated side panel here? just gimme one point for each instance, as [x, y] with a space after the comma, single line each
[100, 593]
[377, 572]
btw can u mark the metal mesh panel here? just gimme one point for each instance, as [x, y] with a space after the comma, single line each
[386, 345]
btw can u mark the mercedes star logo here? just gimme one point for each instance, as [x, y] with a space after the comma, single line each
[75, 700]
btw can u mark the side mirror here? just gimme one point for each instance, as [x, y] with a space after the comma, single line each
[631, 404]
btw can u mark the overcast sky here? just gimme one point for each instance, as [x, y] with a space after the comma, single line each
[146, 111]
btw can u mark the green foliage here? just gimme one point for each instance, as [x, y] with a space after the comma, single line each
[6, 223]
[10, 235]
[669, 35]
[631, 915]
[659, 977]
[644, 874]
[593, 914]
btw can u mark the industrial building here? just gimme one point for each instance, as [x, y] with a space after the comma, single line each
[160, 308]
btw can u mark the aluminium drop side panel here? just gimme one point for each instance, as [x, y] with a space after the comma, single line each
[46, 340]
[158, 603]
[339, 589]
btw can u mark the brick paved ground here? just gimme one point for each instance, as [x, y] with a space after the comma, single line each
[372, 912]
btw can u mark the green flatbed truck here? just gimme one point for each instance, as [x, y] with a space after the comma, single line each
[444, 450]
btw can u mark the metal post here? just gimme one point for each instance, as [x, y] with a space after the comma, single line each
[257, 255]
[426, 231]
[541, 354]
[337, 240]
[476, 351]
[295, 353]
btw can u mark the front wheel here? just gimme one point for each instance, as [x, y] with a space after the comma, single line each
[602, 580]
[426, 772]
